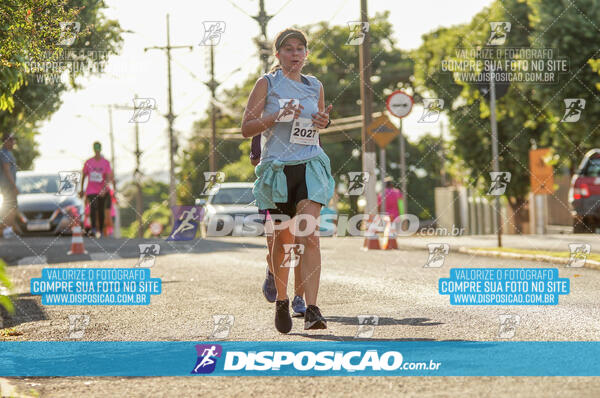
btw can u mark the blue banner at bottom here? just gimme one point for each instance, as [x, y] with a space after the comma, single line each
[262, 358]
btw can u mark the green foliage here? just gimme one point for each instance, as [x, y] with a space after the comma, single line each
[5, 301]
[157, 212]
[29, 34]
[424, 165]
[242, 170]
[519, 116]
[152, 192]
[194, 161]
[572, 30]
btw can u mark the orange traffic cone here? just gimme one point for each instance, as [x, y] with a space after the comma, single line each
[389, 236]
[371, 237]
[76, 239]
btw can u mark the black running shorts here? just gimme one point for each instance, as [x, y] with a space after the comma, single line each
[296, 189]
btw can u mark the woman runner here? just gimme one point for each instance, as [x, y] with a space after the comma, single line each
[294, 174]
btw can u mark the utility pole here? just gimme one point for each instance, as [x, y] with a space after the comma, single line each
[212, 84]
[117, 227]
[137, 174]
[368, 146]
[263, 45]
[170, 116]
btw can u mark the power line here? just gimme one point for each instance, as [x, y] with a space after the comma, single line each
[170, 116]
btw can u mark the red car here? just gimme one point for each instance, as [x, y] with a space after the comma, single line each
[584, 195]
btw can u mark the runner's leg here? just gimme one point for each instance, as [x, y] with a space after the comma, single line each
[93, 199]
[281, 236]
[269, 250]
[298, 285]
[311, 259]
[101, 205]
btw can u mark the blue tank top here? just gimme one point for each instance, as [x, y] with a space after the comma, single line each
[276, 140]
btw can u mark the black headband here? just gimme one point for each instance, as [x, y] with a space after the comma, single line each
[286, 36]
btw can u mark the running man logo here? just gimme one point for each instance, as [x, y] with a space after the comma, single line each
[573, 110]
[148, 254]
[508, 325]
[358, 31]
[357, 181]
[77, 325]
[292, 253]
[287, 108]
[432, 107]
[579, 254]
[68, 33]
[498, 33]
[207, 358]
[212, 182]
[212, 32]
[437, 254]
[500, 180]
[142, 109]
[68, 182]
[186, 222]
[366, 326]
[222, 327]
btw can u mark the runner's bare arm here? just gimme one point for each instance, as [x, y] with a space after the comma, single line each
[321, 118]
[253, 123]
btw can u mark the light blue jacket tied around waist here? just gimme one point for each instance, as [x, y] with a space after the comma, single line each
[271, 185]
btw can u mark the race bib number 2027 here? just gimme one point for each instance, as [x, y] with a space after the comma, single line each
[303, 132]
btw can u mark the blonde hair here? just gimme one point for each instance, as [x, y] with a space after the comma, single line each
[281, 38]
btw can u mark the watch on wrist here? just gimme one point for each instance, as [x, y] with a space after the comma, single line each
[328, 123]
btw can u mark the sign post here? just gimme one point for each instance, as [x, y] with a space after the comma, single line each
[382, 131]
[488, 85]
[399, 104]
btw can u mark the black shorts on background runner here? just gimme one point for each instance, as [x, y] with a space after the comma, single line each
[296, 189]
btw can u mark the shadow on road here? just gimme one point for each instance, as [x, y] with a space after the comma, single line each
[383, 321]
[330, 337]
[27, 309]
[53, 250]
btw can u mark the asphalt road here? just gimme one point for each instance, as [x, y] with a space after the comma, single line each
[224, 275]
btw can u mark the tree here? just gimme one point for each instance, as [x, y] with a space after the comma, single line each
[529, 112]
[517, 118]
[5, 284]
[571, 29]
[30, 50]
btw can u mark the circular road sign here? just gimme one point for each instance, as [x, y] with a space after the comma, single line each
[399, 103]
[155, 228]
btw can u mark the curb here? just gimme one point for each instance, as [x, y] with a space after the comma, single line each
[592, 264]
